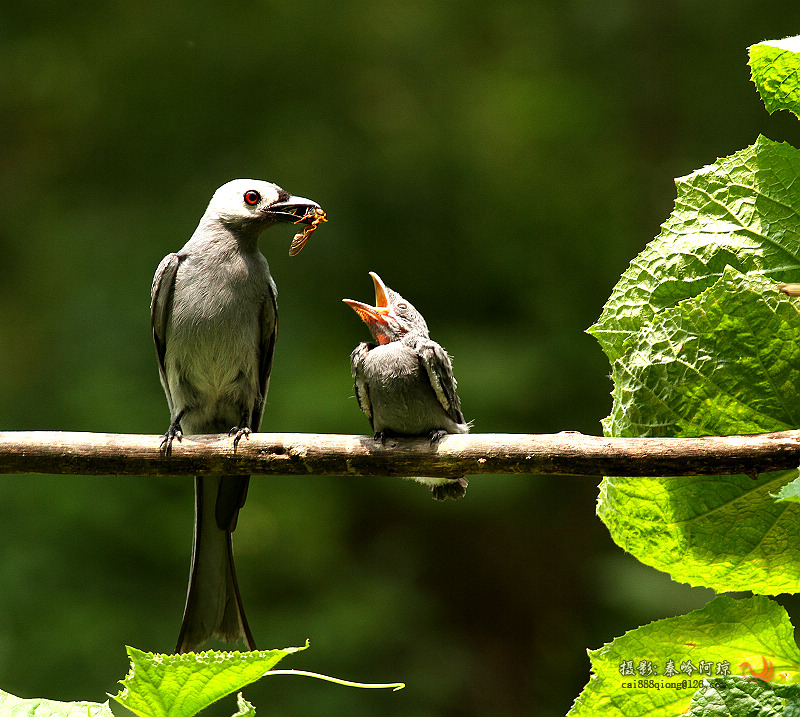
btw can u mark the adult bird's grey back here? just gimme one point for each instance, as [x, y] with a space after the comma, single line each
[404, 383]
[214, 317]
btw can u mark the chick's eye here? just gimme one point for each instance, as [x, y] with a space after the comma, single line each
[252, 197]
[402, 306]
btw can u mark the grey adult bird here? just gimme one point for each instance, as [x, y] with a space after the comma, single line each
[404, 383]
[214, 316]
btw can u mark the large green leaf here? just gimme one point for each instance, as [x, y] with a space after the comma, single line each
[724, 362]
[742, 211]
[775, 65]
[701, 342]
[654, 670]
[745, 697]
[39, 707]
[182, 685]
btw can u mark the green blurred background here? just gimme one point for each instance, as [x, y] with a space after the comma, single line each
[497, 162]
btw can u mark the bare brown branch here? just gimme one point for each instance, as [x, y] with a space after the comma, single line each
[566, 453]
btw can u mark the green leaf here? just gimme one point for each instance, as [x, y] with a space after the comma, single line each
[775, 65]
[724, 362]
[745, 697]
[742, 211]
[698, 348]
[791, 491]
[182, 685]
[245, 708]
[753, 637]
[38, 707]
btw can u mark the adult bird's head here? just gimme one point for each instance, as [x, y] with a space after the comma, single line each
[392, 317]
[251, 205]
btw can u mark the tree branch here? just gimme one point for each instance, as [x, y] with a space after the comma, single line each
[566, 453]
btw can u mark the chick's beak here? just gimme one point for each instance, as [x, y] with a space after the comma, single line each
[368, 314]
[381, 298]
[373, 316]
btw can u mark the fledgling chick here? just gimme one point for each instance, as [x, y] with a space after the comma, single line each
[404, 383]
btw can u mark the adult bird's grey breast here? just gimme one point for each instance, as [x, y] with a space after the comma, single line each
[214, 317]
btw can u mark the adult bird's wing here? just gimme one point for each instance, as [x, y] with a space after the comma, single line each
[266, 351]
[437, 365]
[357, 369]
[161, 294]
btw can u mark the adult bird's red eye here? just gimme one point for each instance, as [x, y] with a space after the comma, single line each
[252, 197]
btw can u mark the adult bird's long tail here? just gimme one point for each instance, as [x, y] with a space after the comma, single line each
[213, 604]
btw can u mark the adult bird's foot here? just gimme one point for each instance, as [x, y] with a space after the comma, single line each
[436, 436]
[238, 434]
[173, 432]
[380, 437]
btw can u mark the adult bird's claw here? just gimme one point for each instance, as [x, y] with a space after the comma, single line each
[238, 434]
[173, 432]
[436, 436]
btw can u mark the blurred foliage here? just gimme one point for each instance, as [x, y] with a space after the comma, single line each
[499, 163]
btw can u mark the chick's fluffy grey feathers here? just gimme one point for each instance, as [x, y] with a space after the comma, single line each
[404, 383]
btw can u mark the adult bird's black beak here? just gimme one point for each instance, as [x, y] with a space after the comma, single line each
[294, 209]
